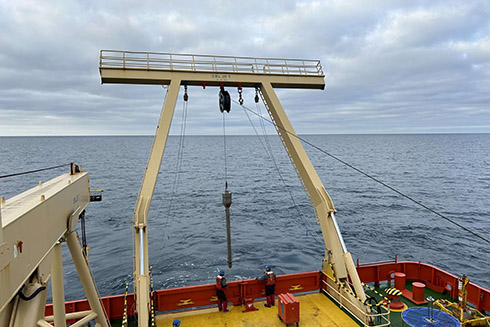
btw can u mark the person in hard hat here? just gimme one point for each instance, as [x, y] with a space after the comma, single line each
[270, 285]
[221, 286]
[176, 323]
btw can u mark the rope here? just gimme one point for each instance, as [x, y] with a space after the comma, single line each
[372, 178]
[268, 150]
[224, 146]
[262, 125]
[178, 165]
[182, 137]
[384, 300]
[34, 171]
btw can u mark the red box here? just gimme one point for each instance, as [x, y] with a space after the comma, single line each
[288, 308]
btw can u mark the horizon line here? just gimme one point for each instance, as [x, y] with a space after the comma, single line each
[274, 134]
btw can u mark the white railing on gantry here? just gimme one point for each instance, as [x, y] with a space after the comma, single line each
[207, 63]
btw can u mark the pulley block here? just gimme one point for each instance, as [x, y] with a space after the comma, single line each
[224, 100]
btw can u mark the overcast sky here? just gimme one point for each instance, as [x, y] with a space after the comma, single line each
[391, 66]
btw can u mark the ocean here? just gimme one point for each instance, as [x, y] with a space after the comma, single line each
[272, 221]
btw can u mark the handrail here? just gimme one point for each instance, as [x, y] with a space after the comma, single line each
[208, 63]
[369, 273]
[383, 317]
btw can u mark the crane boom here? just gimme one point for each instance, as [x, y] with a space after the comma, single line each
[33, 226]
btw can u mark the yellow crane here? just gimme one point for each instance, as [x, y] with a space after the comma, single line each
[174, 70]
[33, 227]
[466, 315]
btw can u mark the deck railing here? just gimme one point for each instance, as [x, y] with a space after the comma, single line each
[434, 278]
[379, 319]
[208, 63]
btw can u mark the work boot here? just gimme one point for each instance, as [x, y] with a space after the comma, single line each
[269, 301]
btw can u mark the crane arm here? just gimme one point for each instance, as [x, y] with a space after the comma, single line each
[32, 225]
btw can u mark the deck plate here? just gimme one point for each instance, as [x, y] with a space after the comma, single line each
[315, 310]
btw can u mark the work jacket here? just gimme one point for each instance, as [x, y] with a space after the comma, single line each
[268, 277]
[221, 282]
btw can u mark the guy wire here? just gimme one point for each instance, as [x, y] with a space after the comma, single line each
[371, 177]
[268, 150]
[33, 171]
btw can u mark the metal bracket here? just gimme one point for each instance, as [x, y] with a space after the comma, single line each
[73, 219]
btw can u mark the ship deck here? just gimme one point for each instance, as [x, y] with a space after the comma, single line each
[197, 306]
[315, 310]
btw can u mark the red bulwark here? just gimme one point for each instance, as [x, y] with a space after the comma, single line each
[288, 308]
[193, 297]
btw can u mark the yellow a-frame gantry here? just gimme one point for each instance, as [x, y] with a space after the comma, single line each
[127, 67]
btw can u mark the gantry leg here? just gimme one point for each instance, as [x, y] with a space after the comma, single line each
[335, 250]
[307, 173]
[140, 219]
[86, 279]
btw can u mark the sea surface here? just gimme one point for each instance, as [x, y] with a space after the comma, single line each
[272, 220]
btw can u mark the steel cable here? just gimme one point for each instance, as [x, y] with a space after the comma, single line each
[34, 171]
[224, 146]
[178, 166]
[268, 150]
[372, 177]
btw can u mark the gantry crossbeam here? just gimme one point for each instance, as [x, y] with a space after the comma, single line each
[129, 67]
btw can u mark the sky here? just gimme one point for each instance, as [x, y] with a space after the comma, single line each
[390, 66]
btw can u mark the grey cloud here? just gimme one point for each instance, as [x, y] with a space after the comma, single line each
[391, 66]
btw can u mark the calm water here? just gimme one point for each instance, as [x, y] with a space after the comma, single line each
[187, 237]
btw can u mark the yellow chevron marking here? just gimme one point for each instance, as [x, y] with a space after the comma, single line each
[185, 302]
[393, 291]
[296, 288]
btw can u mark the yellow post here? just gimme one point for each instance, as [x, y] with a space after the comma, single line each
[1, 226]
[57, 288]
[140, 219]
[335, 249]
[86, 279]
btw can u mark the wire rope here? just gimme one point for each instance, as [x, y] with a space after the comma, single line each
[180, 153]
[267, 142]
[178, 165]
[34, 171]
[268, 150]
[372, 178]
[224, 151]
